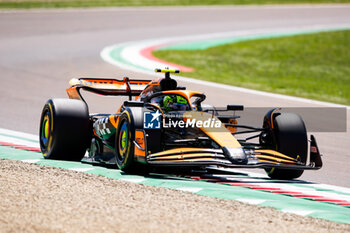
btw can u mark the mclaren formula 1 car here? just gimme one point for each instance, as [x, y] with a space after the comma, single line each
[165, 126]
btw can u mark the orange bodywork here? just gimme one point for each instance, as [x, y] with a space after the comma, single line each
[233, 122]
[73, 93]
[140, 148]
[114, 119]
[274, 157]
[109, 83]
[184, 156]
[221, 135]
[272, 152]
[180, 151]
[194, 154]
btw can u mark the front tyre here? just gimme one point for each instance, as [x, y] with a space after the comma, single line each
[124, 143]
[64, 129]
[290, 139]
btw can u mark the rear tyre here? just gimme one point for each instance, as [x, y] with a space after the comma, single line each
[64, 129]
[124, 143]
[290, 139]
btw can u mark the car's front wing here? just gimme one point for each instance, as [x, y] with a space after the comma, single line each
[255, 158]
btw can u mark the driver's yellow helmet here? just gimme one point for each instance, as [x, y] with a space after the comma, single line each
[176, 103]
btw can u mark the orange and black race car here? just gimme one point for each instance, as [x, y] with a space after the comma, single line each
[164, 126]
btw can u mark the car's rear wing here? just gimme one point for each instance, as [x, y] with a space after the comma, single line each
[114, 87]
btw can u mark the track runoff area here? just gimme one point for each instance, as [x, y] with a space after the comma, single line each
[298, 197]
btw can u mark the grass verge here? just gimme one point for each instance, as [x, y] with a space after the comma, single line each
[105, 3]
[315, 66]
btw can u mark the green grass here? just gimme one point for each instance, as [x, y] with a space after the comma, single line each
[315, 66]
[105, 3]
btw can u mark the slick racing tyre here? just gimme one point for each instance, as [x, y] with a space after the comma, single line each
[290, 139]
[124, 143]
[64, 129]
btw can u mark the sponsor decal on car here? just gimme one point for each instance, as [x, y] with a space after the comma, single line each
[209, 123]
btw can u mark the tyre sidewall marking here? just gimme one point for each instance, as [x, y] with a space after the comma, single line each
[51, 129]
[127, 148]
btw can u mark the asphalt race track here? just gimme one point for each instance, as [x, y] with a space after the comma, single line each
[41, 50]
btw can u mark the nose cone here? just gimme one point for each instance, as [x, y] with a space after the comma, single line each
[235, 154]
